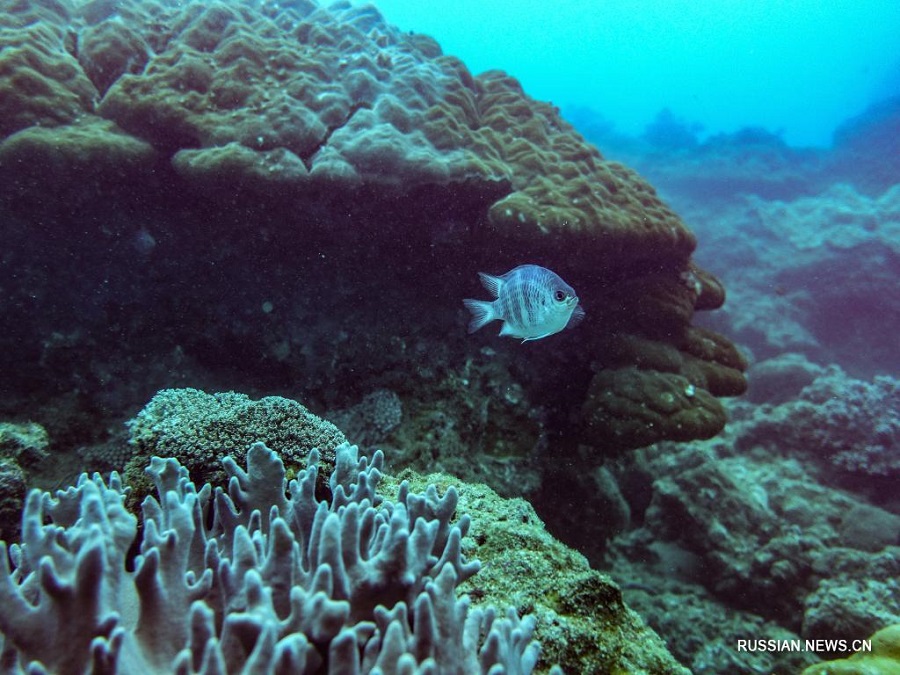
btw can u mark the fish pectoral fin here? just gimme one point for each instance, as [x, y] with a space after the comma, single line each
[506, 331]
[576, 318]
[491, 283]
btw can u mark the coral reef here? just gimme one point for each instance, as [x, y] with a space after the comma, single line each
[780, 379]
[293, 198]
[866, 148]
[26, 444]
[644, 407]
[267, 149]
[813, 274]
[582, 622]
[787, 525]
[23, 450]
[859, 593]
[849, 426]
[112, 455]
[279, 583]
[698, 628]
[371, 420]
[838, 219]
[746, 525]
[258, 575]
[12, 494]
[718, 169]
[752, 160]
[473, 420]
[805, 239]
[745, 543]
[41, 83]
[667, 393]
[200, 430]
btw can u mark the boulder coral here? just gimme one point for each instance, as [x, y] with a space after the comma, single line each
[200, 430]
[329, 122]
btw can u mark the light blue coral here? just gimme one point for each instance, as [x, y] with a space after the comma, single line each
[254, 579]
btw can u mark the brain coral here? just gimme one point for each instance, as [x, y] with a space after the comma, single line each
[324, 112]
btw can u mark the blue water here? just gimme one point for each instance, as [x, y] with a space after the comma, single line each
[795, 67]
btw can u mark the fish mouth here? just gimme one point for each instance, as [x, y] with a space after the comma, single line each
[571, 302]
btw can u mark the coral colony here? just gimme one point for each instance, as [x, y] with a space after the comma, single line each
[238, 241]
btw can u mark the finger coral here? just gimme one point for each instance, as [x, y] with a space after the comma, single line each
[252, 579]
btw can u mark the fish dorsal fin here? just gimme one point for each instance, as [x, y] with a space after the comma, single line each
[492, 283]
[576, 318]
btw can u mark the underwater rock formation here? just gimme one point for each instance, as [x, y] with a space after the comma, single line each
[813, 274]
[781, 379]
[582, 622]
[255, 143]
[867, 148]
[849, 427]
[250, 579]
[766, 550]
[748, 527]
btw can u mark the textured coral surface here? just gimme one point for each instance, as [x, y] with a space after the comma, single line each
[582, 622]
[200, 429]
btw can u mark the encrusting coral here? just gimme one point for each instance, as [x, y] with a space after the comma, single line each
[250, 580]
[200, 430]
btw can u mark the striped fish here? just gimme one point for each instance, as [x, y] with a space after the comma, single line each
[531, 301]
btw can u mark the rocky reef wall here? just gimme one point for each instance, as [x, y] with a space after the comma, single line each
[294, 199]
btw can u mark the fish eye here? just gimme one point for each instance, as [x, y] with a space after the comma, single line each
[559, 295]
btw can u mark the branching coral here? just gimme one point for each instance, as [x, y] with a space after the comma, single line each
[277, 582]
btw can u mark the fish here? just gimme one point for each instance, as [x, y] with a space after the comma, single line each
[531, 301]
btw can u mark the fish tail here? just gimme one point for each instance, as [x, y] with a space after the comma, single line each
[482, 313]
